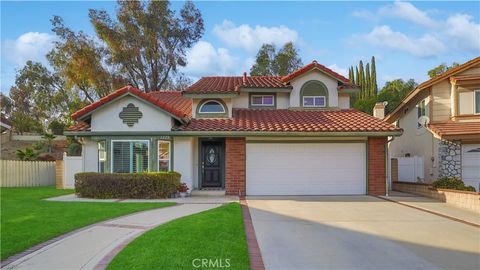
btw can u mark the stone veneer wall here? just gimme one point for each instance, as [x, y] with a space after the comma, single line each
[450, 159]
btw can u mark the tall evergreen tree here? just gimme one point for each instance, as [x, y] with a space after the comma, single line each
[367, 81]
[374, 87]
[361, 80]
[351, 75]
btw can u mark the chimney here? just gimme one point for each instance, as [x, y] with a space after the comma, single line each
[244, 79]
[379, 109]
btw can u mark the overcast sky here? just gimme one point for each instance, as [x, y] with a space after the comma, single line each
[407, 38]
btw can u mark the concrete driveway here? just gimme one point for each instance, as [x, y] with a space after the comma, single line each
[358, 232]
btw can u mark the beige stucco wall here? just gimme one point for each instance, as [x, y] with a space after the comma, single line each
[90, 155]
[107, 117]
[416, 142]
[344, 101]
[298, 82]
[183, 159]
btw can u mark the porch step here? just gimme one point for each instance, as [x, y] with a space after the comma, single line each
[208, 193]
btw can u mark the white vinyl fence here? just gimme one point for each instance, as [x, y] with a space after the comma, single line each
[16, 173]
[72, 165]
[410, 169]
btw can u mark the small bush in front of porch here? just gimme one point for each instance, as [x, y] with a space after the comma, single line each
[451, 183]
[150, 185]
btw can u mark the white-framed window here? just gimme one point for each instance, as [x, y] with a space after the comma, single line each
[262, 100]
[421, 111]
[164, 150]
[211, 106]
[314, 101]
[102, 156]
[476, 101]
[130, 156]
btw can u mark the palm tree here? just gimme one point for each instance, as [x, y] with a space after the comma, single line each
[27, 155]
[49, 137]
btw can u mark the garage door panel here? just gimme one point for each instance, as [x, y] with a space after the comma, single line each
[471, 165]
[306, 168]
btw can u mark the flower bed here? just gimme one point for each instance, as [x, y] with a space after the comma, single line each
[465, 199]
[151, 185]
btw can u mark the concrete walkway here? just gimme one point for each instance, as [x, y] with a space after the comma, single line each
[95, 246]
[436, 206]
[187, 200]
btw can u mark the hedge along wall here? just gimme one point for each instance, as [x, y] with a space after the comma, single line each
[151, 185]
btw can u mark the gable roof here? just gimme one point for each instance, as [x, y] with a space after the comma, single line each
[393, 115]
[284, 120]
[312, 66]
[232, 84]
[170, 101]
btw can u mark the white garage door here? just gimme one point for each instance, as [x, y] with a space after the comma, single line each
[306, 168]
[471, 165]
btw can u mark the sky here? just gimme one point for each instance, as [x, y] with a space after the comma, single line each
[407, 38]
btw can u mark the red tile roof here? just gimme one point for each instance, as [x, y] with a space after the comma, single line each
[232, 84]
[293, 121]
[79, 126]
[455, 128]
[171, 102]
[315, 65]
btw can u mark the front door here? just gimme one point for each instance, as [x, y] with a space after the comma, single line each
[212, 164]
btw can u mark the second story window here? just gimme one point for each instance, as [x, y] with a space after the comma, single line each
[314, 94]
[262, 100]
[212, 106]
[421, 111]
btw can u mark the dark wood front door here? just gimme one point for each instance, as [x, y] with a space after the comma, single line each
[212, 163]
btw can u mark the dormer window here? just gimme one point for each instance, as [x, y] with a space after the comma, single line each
[313, 101]
[314, 94]
[212, 106]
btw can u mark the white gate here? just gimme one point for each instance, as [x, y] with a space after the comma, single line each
[410, 169]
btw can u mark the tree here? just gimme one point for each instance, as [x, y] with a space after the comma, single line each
[287, 60]
[6, 105]
[27, 155]
[148, 41]
[394, 92]
[373, 78]
[434, 72]
[271, 63]
[23, 122]
[263, 61]
[49, 137]
[81, 61]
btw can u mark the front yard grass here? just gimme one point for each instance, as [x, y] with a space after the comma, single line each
[27, 220]
[216, 235]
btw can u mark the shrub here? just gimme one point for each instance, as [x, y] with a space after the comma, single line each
[27, 155]
[149, 185]
[74, 149]
[39, 146]
[56, 127]
[451, 183]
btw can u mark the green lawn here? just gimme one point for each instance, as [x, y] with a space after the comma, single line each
[217, 234]
[27, 220]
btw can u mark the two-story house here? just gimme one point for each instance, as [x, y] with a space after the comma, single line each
[441, 123]
[266, 135]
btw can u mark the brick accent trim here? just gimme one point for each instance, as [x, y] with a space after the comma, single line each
[235, 166]
[376, 166]
[256, 261]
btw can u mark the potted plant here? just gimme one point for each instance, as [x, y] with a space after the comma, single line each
[182, 189]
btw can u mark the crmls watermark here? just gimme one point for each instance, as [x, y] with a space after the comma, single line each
[210, 263]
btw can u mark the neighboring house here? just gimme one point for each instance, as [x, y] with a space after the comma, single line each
[450, 141]
[291, 135]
